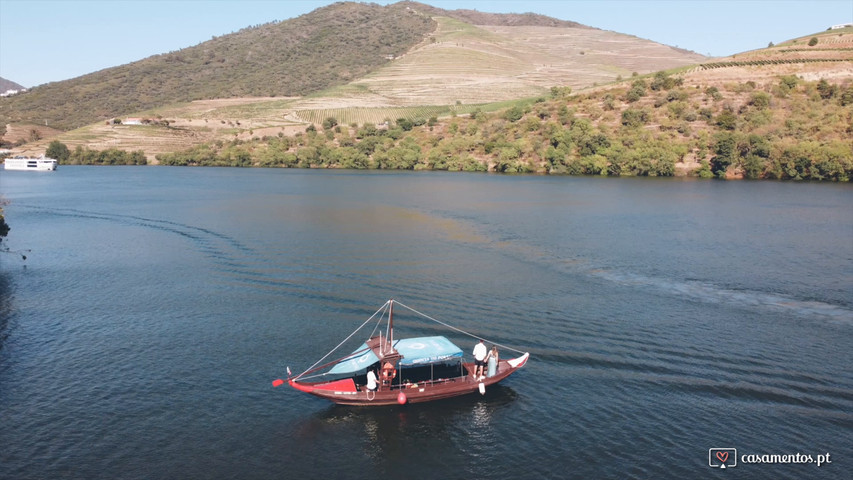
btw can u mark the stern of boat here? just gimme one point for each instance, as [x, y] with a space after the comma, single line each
[519, 362]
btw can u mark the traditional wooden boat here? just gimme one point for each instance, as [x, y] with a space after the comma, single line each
[409, 370]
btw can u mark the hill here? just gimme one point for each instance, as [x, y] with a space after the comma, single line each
[407, 53]
[6, 85]
[783, 112]
[657, 125]
[328, 46]
[452, 102]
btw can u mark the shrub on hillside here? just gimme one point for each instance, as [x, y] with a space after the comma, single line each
[514, 114]
[635, 117]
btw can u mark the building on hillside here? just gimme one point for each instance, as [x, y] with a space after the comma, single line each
[132, 121]
[10, 92]
[840, 26]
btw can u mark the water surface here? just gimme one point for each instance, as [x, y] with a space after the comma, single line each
[664, 317]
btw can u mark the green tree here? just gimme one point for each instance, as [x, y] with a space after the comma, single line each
[58, 150]
[637, 91]
[726, 120]
[514, 114]
[634, 117]
[593, 144]
[405, 124]
[402, 157]
[725, 148]
[4, 227]
[329, 123]
[560, 92]
[813, 42]
[753, 167]
[553, 155]
[760, 100]
[826, 89]
[789, 82]
[307, 156]
[796, 160]
[350, 157]
[756, 145]
[662, 81]
[714, 93]
[565, 115]
[705, 170]
[847, 97]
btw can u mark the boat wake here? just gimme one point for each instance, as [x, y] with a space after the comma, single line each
[710, 293]
[226, 251]
[514, 245]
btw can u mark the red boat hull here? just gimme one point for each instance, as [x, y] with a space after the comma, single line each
[346, 392]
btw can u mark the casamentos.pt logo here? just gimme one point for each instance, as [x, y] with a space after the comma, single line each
[722, 457]
[728, 458]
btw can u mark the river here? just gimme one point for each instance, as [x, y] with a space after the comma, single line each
[664, 318]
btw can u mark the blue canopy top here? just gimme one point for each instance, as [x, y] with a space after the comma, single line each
[415, 351]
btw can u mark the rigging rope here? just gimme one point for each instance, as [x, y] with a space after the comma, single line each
[382, 308]
[457, 329]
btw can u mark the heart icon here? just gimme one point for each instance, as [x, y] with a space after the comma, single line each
[723, 456]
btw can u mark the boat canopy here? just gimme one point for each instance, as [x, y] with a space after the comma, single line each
[415, 351]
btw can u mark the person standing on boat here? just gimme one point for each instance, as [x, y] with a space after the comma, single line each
[493, 362]
[372, 384]
[480, 353]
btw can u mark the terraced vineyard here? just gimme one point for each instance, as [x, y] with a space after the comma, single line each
[778, 61]
[830, 46]
[830, 56]
[178, 126]
[363, 115]
[476, 64]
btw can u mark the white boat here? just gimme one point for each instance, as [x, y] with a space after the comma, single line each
[41, 163]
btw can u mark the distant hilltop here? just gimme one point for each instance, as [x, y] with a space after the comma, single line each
[8, 88]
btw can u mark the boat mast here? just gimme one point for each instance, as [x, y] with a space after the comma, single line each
[391, 323]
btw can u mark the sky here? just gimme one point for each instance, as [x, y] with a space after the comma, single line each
[44, 41]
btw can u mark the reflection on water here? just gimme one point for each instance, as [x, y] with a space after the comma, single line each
[396, 438]
[5, 306]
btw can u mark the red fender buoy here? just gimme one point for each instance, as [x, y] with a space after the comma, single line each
[277, 383]
[401, 398]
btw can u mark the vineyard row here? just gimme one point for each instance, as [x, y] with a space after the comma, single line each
[377, 115]
[752, 63]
